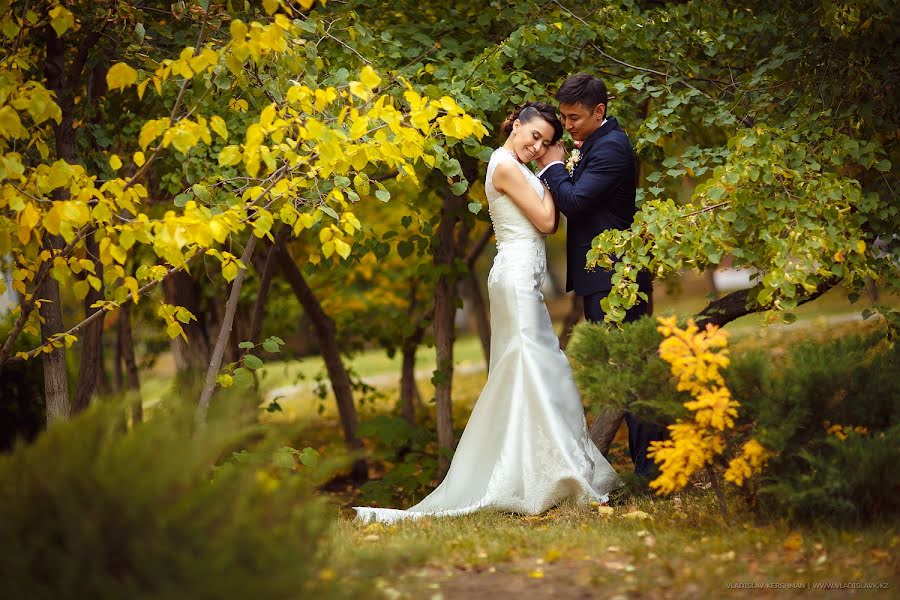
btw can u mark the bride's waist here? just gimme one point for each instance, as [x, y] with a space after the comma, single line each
[519, 244]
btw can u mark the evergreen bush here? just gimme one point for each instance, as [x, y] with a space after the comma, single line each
[90, 510]
[621, 367]
[828, 411]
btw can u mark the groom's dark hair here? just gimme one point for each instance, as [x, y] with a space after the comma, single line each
[582, 88]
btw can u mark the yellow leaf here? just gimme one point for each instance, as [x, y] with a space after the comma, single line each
[10, 124]
[184, 138]
[120, 76]
[605, 511]
[80, 289]
[61, 20]
[794, 541]
[342, 248]
[225, 380]
[230, 155]
[369, 77]
[270, 6]
[552, 555]
[118, 253]
[838, 256]
[860, 246]
[151, 130]
[217, 124]
[359, 90]
[30, 216]
[359, 127]
[328, 248]
[139, 159]
[229, 270]
[238, 30]
[174, 330]
[115, 162]
[536, 574]
[637, 514]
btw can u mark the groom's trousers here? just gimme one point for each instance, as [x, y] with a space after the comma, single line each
[640, 433]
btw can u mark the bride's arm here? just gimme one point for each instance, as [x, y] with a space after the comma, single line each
[540, 210]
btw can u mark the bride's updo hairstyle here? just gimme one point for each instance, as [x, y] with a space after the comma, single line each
[534, 110]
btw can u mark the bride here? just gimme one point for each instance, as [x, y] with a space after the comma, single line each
[526, 445]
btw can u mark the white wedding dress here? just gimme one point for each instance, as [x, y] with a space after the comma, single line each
[526, 445]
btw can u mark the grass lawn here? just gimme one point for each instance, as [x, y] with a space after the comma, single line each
[680, 550]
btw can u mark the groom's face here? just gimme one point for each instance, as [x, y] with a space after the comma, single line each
[581, 120]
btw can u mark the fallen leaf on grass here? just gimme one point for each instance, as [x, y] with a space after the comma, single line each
[605, 511]
[552, 555]
[536, 574]
[637, 514]
[793, 542]
[880, 555]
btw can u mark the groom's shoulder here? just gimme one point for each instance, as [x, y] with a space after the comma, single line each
[615, 142]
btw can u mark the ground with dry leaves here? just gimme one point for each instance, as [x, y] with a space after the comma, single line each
[644, 548]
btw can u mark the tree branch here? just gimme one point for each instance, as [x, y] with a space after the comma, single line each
[733, 306]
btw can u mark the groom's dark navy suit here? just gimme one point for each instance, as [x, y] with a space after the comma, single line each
[600, 195]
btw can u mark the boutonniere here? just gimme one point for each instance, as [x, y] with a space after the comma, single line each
[573, 160]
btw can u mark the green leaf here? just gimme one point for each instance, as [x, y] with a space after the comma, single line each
[382, 194]
[270, 346]
[474, 207]
[283, 458]
[252, 362]
[242, 377]
[883, 165]
[459, 187]
[246, 345]
[308, 457]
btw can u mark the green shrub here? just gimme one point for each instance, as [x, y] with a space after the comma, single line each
[404, 448]
[621, 367]
[789, 402]
[91, 511]
[788, 399]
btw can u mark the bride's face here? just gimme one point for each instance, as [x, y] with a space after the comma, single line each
[530, 140]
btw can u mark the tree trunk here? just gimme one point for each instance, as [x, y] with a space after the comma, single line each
[126, 352]
[192, 355]
[444, 328]
[473, 288]
[92, 338]
[325, 332]
[215, 360]
[480, 311]
[408, 391]
[446, 251]
[56, 383]
[265, 283]
[576, 311]
[605, 426]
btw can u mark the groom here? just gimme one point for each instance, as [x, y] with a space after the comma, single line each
[598, 194]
